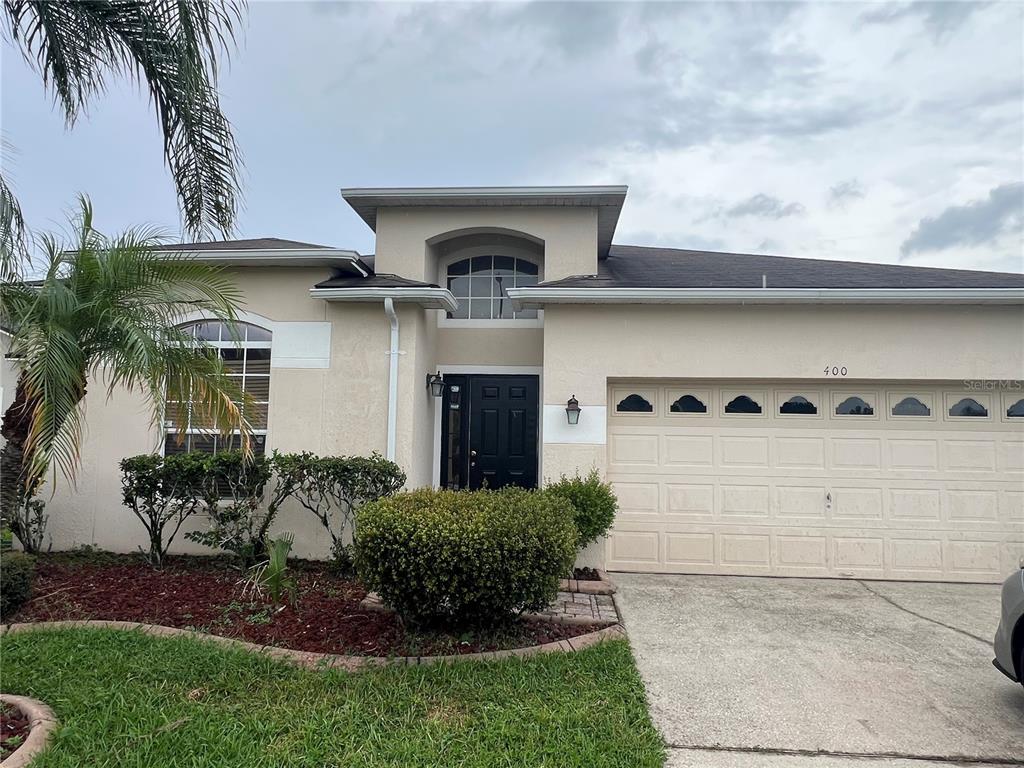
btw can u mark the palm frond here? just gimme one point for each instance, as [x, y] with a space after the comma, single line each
[107, 312]
[173, 47]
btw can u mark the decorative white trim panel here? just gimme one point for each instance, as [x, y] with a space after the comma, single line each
[301, 345]
[592, 429]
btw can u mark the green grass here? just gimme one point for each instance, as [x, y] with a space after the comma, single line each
[127, 699]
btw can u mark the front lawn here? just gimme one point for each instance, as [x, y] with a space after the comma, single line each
[127, 699]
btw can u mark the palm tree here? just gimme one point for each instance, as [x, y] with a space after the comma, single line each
[107, 310]
[171, 47]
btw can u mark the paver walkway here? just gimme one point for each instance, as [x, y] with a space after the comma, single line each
[576, 605]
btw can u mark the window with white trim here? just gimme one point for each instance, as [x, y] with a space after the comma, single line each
[479, 284]
[245, 351]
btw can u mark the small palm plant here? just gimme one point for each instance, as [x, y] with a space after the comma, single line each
[271, 577]
[106, 313]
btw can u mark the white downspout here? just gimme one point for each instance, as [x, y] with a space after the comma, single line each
[389, 310]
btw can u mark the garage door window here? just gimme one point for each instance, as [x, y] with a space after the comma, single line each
[743, 404]
[634, 403]
[968, 407]
[688, 404]
[855, 406]
[798, 405]
[911, 406]
[1016, 411]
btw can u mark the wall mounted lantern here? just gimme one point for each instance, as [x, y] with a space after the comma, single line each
[435, 383]
[572, 410]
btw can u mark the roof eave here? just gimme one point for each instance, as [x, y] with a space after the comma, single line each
[277, 257]
[426, 297]
[538, 297]
[608, 199]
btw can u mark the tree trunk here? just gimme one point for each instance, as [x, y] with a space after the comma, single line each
[17, 422]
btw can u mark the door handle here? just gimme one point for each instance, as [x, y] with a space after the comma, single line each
[472, 453]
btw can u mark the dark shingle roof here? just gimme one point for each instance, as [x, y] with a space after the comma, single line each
[631, 266]
[253, 244]
[373, 281]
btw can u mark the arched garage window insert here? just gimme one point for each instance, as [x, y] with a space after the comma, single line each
[968, 407]
[743, 404]
[854, 406]
[1016, 411]
[480, 283]
[245, 351]
[911, 406]
[634, 404]
[798, 405]
[688, 404]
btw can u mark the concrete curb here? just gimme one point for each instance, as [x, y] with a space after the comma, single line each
[311, 660]
[42, 724]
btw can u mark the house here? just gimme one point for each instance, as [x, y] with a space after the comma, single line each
[757, 414]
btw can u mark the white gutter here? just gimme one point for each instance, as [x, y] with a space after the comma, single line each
[429, 298]
[536, 297]
[393, 353]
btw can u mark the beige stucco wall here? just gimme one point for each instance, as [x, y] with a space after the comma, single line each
[403, 234]
[586, 345]
[337, 410]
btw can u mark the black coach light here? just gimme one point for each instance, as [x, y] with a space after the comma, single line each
[435, 383]
[572, 410]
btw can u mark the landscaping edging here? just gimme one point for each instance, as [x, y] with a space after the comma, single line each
[42, 723]
[312, 660]
[588, 586]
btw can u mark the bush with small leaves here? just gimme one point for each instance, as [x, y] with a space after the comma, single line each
[17, 571]
[162, 492]
[333, 488]
[593, 502]
[233, 491]
[465, 558]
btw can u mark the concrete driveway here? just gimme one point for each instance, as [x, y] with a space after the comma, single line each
[747, 672]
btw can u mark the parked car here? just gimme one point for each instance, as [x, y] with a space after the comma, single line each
[1009, 642]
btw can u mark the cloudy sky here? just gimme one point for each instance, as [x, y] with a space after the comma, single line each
[886, 132]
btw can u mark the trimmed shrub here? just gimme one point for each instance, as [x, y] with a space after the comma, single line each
[17, 571]
[233, 490]
[333, 488]
[465, 557]
[163, 492]
[593, 502]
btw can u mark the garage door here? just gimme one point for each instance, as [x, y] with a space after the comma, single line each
[838, 479]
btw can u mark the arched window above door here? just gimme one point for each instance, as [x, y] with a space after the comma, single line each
[480, 284]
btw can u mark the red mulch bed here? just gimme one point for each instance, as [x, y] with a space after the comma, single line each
[204, 594]
[14, 727]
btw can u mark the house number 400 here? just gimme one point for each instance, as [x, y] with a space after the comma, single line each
[835, 370]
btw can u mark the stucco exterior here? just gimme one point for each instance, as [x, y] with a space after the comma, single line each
[329, 382]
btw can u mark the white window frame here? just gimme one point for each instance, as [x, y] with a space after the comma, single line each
[985, 399]
[869, 396]
[759, 396]
[443, 321]
[167, 426]
[783, 396]
[894, 397]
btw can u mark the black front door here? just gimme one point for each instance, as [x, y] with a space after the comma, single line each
[489, 432]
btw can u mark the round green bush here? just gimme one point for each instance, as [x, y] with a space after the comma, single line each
[465, 558]
[593, 502]
[17, 571]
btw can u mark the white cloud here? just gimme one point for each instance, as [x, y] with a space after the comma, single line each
[864, 120]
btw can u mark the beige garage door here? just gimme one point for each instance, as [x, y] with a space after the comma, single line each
[870, 480]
